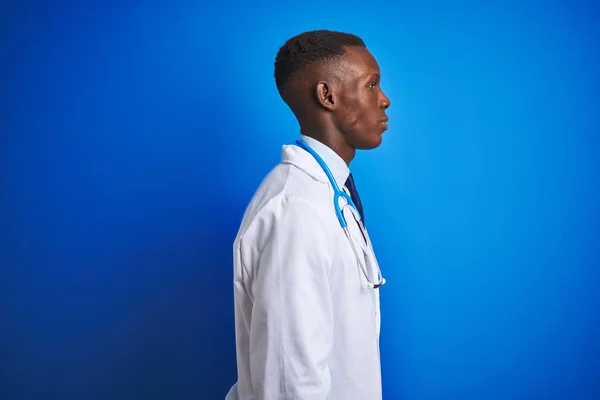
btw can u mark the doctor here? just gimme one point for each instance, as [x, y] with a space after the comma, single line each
[306, 290]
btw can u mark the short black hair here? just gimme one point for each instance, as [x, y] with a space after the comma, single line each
[307, 48]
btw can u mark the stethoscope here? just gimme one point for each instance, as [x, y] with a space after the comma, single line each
[337, 193]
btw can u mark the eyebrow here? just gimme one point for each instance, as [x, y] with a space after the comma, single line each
[372, 74]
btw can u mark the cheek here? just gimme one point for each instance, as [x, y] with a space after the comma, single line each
[352, 113]
[359, 110]
[354, 118]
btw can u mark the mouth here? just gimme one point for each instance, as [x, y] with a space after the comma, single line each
[384, 124]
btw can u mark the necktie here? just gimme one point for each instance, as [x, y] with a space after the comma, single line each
[354, 195]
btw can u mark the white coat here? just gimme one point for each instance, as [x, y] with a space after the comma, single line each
[306, 325]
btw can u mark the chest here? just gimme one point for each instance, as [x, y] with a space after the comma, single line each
[352, 268]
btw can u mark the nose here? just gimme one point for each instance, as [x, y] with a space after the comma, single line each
[384, 102]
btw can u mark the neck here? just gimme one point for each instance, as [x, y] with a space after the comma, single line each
[334, 142]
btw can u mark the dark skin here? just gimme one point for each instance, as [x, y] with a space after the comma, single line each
[341, 104]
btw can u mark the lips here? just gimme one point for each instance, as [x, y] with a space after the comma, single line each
[384, 124]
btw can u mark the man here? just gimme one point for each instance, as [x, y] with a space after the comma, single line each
[307, 320]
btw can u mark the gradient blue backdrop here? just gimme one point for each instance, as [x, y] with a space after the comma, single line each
[132, 138]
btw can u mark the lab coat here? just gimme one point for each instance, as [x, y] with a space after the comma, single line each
[306, 325]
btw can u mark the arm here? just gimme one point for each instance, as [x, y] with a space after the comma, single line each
[292, 317]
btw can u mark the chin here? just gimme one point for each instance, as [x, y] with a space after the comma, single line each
[371, 142]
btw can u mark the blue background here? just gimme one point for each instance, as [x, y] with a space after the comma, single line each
[132, 138]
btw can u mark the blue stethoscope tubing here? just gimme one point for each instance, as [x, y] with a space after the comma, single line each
[337, 193]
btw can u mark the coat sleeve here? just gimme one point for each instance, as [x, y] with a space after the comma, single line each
[291, 329]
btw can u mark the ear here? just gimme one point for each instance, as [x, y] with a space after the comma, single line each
[325, 95]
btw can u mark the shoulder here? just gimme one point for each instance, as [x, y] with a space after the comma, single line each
[289, 214]
[286, 191]
[287, 198]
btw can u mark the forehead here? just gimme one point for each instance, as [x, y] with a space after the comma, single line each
[360, 61]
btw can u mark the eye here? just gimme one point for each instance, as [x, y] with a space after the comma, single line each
[372, 85]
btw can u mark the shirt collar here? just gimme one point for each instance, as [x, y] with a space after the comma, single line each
[338, 167]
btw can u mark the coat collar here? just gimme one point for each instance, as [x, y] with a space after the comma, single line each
[300, 158]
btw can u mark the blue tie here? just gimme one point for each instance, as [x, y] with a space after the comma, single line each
[354, 195]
